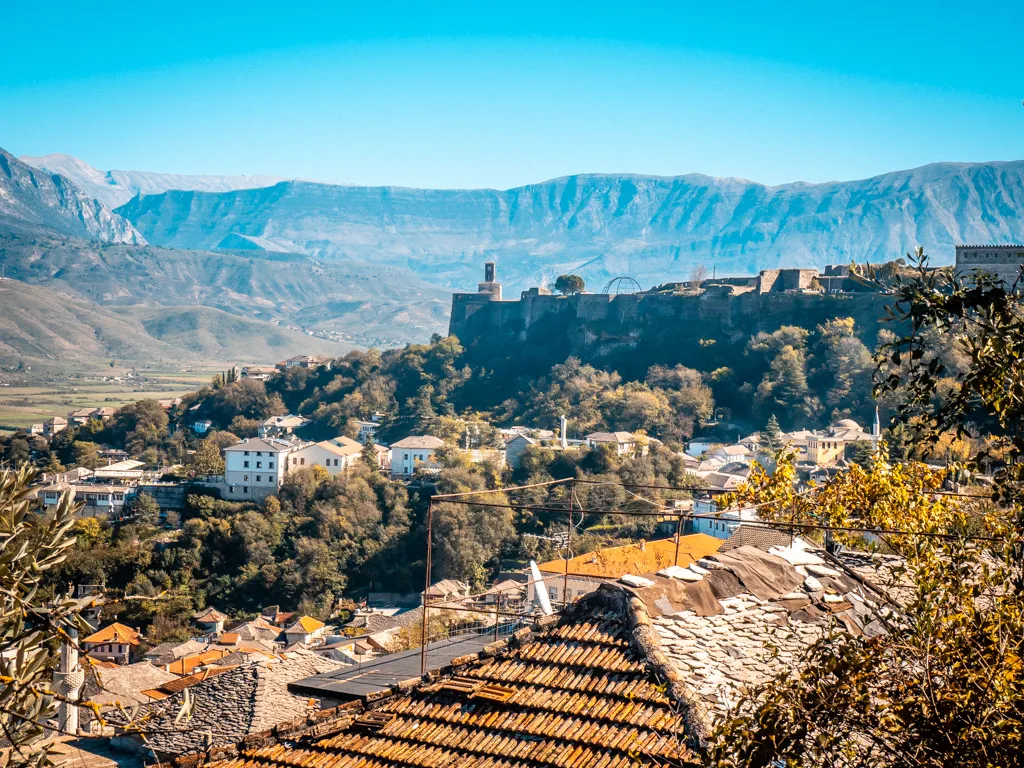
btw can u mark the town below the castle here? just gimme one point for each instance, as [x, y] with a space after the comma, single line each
[383, 555]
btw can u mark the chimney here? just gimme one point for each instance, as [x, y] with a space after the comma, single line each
[562, 429]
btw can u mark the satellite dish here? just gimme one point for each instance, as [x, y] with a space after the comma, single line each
[540, 589]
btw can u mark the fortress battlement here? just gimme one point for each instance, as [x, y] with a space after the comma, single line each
[603, 321]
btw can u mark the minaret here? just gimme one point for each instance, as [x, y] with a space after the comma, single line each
[68, 681]
[876, 428]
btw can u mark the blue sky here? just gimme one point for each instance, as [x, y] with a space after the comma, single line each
[500, 94]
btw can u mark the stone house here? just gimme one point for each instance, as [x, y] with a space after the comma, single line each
[114, 643]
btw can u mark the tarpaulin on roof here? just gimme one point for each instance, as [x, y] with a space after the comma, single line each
[765, 576]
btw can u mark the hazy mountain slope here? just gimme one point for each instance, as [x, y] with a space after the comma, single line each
[31, 196]
[114, 188]
[653, 228]
[360, 303]
[47, 323]
[40, 323]
[213, 334]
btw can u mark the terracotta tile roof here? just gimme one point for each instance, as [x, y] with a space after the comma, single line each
[574, 694]
[306, 624]
[186, 664]
[614, 562]
[114, 633]
[179, 684]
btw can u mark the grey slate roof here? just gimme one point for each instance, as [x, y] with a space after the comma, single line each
[752, 614]
[228, 707]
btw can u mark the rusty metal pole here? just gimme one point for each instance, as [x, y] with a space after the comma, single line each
[426, 588]
[568, 548]
[679, 531]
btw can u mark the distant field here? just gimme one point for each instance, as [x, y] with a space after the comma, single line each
[22, 406]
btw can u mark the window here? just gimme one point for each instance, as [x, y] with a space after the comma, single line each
[118, 497]
[302, 461]
[259, 465]
[335, 462]
[246, 453]
[245, 488]
[270, 478]
[553, 592]
[270, 464]
[259, 453]
[246, 478]
[259, 479]
[245, 464]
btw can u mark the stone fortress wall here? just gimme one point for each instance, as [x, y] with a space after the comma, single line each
[1003, 261]
[720, 303]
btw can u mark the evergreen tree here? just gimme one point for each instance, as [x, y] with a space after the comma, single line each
[369, 455]
[771, 435]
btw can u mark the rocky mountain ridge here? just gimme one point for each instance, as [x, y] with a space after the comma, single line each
[115, 188]
[603, 225]
[34, 197]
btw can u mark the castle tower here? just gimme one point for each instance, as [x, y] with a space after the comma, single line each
[490, 284]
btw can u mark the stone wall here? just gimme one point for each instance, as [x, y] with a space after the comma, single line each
[592, 325]
[1002, 261]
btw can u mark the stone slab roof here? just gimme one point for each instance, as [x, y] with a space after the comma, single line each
[750, 617]
[230, 706]
[124, 684]
[419, 441]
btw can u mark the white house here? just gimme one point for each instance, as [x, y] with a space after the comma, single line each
[255, 468]
[201, 427]
[367, 430]
[720, 524]
[277, 426]
[99, 499]
[115, 642]
[410, 452]
[335, 455]
[730, 453]
[699, 445]
[624, 442]
[306, 631]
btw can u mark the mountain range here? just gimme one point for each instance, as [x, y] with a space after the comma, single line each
[655, 229]
[82, 284]
[375, 265]
[49, 200]
[114, 188]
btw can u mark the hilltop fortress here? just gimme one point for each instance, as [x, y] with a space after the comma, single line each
[724, 309]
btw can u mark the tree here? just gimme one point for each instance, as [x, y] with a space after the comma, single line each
[568, 284]
[31, 545]
[771, 437]
[85, 454]
[698, 274]
[944, 683]
[145, 510]
[207, 459]
[369, 455]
